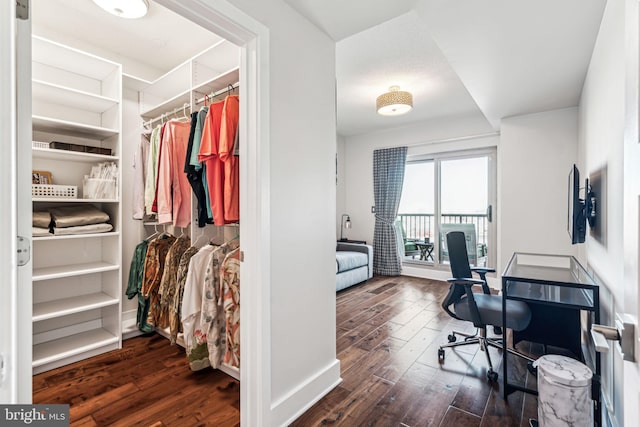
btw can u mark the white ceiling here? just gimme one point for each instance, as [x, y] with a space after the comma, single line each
[147, 47]
[462, 58]
[496, 58]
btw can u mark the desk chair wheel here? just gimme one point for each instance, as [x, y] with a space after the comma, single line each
[492, 375]
[451, 338]
[441, 354]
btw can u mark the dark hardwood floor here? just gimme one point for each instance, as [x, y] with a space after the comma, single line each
[147, 383]
[388, 332]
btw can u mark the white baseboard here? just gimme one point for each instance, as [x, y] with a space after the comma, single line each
[287, 409]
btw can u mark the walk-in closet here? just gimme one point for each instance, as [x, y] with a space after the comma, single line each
[135, 185]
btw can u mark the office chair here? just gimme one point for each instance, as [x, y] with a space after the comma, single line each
[482, 309]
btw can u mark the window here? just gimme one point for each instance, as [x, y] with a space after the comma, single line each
[448, 192]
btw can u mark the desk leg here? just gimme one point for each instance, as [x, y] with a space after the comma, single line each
[505, 383]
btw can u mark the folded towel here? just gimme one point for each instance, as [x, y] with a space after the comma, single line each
[70, 216]
[41, 219]
[40, 231]
[83, 229]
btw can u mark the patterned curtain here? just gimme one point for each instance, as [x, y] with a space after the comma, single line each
[388, 176]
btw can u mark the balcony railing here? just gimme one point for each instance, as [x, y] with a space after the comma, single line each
[419, 226]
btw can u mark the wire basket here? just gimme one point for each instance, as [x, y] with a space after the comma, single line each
[54, 191]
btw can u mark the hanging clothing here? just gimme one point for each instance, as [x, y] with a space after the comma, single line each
[169, 282]
[212, 315]
[174, 205]
[136, 276]
[195, 338]
[152, 170]
[153, 269]
[213, 166]
[175, 309]
[230, 299]
[197, 138]
[194, 173]
[228, 131]
[140, 163]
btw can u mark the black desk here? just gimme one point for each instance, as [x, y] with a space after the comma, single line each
[558, 290]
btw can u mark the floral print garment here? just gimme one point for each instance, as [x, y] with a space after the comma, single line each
[212, 314]
[175, 305]
[169, 282]
[230, 291]
[153, 268]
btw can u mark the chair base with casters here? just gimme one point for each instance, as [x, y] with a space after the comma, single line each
[484, 342]
[482, 309]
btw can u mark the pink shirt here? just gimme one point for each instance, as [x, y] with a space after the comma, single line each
[174, 191]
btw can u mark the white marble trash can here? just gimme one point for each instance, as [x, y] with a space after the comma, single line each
[564, 392]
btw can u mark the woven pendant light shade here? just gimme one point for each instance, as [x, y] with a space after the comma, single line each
[394, 103]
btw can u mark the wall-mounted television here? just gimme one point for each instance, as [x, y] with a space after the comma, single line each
[579, 211]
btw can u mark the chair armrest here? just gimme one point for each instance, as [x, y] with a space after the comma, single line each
[465, 281]
[483, 270]
[473, 307]
[359, 247]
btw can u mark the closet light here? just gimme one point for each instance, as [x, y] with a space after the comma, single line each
[130, 9]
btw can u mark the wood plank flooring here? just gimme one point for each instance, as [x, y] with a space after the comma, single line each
[146, 383]
[388, 331]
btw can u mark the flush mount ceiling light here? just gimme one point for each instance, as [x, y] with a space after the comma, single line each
[130, 9]
[394, 103]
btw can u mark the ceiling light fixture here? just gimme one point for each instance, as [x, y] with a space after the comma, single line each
[395, 102]
[130, 9]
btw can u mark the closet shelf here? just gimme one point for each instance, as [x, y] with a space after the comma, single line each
[72, 345]
[48, 273]
[49, 124]
[221, 81]
[168, 105]
[64, 307]
[70, 59]
[76, 236]
[70, 156]
[64, 200]
[73, 98]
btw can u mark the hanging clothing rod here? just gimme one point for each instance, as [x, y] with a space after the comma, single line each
[163, 116]
[219, 92]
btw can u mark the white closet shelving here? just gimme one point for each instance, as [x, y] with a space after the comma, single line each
[212, 70]
[77, 279]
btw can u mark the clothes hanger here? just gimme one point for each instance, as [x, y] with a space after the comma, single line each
[154, 234]
[200, 236]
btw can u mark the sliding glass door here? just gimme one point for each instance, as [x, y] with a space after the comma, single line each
[448, 192]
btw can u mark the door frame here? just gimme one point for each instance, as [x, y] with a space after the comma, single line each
[226, 20]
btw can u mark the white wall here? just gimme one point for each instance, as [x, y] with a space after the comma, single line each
[303, 201]
[132, 230]
[340, 187]
[535, 155]
[609, 141]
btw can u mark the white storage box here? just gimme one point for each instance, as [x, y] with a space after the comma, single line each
[98, 188]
